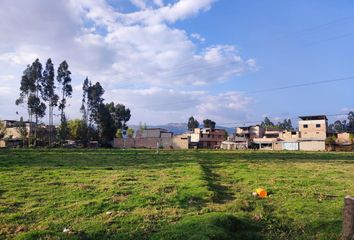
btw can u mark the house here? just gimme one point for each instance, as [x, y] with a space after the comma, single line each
[250, 132]
[181, 141]
[147, 138]
[235, 143]
[270, 132]
[313, 132]
[12, 136]
[343, 139]
[207, 138]
[287, 140]
[12, 128]
[313, 127]
[265, 143]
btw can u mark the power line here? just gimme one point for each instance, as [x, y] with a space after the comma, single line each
[291, 118]
[318, 27]
[301, 85]
[331, 38]
[257, 91]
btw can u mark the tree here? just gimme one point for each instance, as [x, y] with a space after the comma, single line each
[345, 126]
[84, 105]
[94, 102]
[49, 95]
[119, 133]
[142, 127]
[130, 132]
[38, 107]
[22, 130]
[107, 128]
[267, 123]
[338, 126]
[331, 140]
[120, 114]
[2, 129]
[85, 111]
[192, 123]
[350, 127]
[285, 125]
[30, 91]
[27, 87]
[112, 117]
[77, 129]
[64, 79]
[209, 123]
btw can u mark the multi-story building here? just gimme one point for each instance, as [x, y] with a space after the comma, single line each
[313, 132]
[207, 138]
[250, 132]
[313, 127]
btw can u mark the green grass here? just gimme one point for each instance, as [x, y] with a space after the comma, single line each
[172, 195]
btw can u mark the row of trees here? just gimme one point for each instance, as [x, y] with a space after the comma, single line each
[39, 91]
[284, 125]
[193, 123]
[346, 125]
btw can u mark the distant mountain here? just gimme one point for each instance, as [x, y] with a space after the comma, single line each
[179, 128]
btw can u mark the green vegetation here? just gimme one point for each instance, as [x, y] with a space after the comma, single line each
[137, 194]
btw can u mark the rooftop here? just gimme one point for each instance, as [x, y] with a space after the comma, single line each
[314, 117]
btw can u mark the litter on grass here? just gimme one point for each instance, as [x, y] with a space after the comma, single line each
[260, 192]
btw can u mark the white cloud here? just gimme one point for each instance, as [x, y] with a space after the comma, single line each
[198, 37]
[133, 50]
[228, 107]
[154, 105]
[347, 110]
[6, 78]
[170, 13]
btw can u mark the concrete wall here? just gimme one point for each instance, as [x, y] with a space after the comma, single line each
[119, 143]
[195, 137]
[180, 142]
[290, 146]
[150, 142]
[312, 131]
[166, 134]
[277, 146]
[147, 133]
[289, 135]
[343, 138]
[233, 145]
[312, 145]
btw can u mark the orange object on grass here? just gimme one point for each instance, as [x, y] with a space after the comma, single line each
[261, 192]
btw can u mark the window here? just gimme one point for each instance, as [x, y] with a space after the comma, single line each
[318, 125]
[306, 126]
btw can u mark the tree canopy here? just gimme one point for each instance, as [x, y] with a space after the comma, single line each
[192, 123]
[209, 123]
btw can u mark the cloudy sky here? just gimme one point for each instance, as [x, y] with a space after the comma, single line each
[169, 59]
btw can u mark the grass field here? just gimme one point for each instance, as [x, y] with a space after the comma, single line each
[172, 195]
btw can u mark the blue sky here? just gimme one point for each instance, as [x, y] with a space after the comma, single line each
[167, 60]
[292, 42]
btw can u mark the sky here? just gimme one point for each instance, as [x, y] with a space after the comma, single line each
[169, 59]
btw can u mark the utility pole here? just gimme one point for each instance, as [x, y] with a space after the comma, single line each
[348, 219]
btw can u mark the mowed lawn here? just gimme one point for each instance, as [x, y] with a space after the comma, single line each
[138, 194]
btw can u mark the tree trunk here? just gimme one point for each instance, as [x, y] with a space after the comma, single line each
[348, 219]
[30, 127]
[35, 131]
